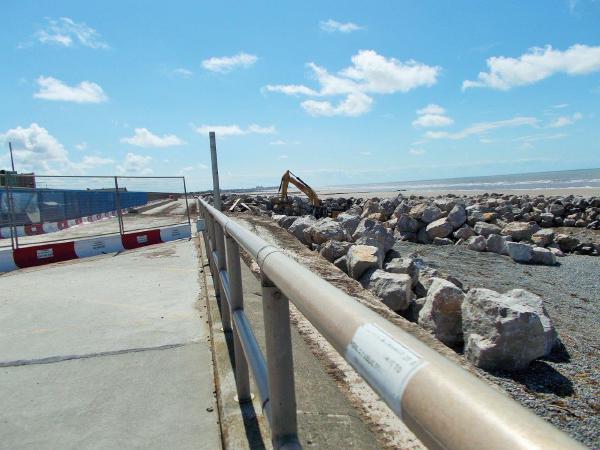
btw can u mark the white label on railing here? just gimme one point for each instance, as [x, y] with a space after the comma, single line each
[45, 253]
[385, 363]
[142, 239]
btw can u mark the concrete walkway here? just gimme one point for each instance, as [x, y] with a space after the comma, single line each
[107, 352]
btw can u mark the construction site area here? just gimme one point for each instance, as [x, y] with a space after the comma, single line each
[162, 319]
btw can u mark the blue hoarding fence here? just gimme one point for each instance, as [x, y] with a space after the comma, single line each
[30, 206]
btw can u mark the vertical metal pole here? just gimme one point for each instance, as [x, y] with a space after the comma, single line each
[242, 379]
[9, 214]
[280, 364]
[220, 247]
[187, 207]
[13, 219]
[215, 171]
[118, 206]
[12, 161]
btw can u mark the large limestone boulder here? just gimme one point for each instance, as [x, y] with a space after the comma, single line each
[394, 289]
[407, 266]
[416, 212]
[387, 206]
[485, 229]
[301, 224]
[457, 216]
[496, 244]
[519, 251]
[476, 243]
[361, 258]
[520, 231]
[442, 313]
[439, 228]
[368, 228]
[431, 213]
[500, 332]
[464, 232]
[326, 229]
[445, 204]
[332, 250]
[543, 238]
[566, 242]
[535, 302]
[349, 222]
[286, 221]
[371, 206]
[541, 255]
[406, 223]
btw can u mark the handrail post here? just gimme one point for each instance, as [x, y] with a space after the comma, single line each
[212, 246]
[280, 365]
[242, 380]
[215, 170]
[222, 265]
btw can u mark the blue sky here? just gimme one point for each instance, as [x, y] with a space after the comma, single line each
[338, 92]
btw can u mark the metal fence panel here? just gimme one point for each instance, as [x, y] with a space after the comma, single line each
[61, 208]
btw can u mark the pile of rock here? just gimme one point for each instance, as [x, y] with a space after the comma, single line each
[499, 331]
[517, 226]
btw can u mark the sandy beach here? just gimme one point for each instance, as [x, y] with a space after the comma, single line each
[334, 193]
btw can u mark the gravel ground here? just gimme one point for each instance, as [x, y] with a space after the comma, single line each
[564, 387]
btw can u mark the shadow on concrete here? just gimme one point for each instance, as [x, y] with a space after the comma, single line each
[251, 425]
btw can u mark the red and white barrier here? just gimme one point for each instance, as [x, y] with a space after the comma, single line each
[53, 227]
[37, 255]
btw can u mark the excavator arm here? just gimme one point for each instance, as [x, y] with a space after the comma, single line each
[287, 178]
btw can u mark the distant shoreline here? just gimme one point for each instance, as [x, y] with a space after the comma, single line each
[584, 192]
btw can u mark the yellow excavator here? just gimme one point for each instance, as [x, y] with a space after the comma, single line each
[284, 202]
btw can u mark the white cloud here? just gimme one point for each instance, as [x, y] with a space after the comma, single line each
[182, 72]
[432, 116]
[283, 156]
[432, 108]
[562, 105]
[85, 92]
[540, 137]
[81, 146]
[90, 162]
[536, 65]
[226, 64]
[290, 89]
[380, 75]
[260, 130]
[416, 151]
[353, 105]
[135, 164]
[432, 120]
[563, 121]
[483, 127]
[235, 130]
[331, 26]
[365, 153]
[144, 138]
[282, 142]
[370, 73]
[35, 149]
[68, 33]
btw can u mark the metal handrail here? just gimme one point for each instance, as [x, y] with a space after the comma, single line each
[443, 404]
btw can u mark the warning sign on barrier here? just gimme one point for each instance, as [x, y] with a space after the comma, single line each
[45, 253]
